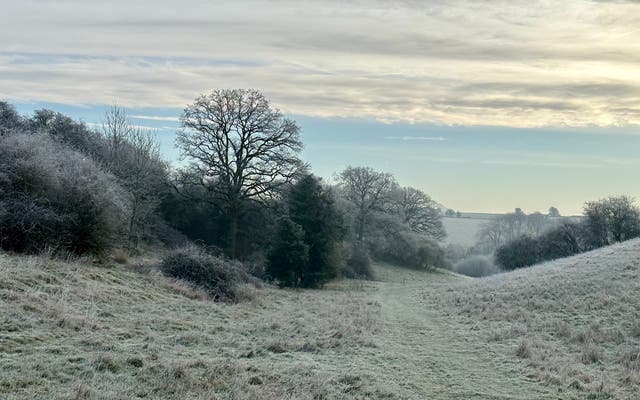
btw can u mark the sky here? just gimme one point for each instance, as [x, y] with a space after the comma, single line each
[486, 106]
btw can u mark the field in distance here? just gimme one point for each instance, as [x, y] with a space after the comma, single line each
[463, 231]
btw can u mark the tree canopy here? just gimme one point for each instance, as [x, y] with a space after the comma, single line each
[240, 149]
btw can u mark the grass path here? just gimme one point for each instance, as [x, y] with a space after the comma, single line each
[432, 359]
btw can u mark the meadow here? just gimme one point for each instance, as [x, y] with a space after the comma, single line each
[566, 329]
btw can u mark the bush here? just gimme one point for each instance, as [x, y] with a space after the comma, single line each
[55, 198]
[432, 255]
[222, 278]
[563, 241]
[412, 251]
[456, 252]
[358, 262]
[518, 253]
[612, 220]
[476, 266]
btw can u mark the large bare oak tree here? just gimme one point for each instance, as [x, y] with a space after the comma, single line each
[241, 149]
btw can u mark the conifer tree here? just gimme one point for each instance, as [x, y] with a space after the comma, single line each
[289, 255]
[312, 207]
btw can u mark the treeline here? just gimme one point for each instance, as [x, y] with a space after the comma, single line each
[478, 260]
[517, 240]
[606, 221]
[242, 193]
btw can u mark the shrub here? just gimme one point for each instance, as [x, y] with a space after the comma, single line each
[358, 262]
[412, 251]
[222, 278]
[562, 241]
[476, 266]
[456, 252]
[612, 220]
[432, 255]
[56, 198]
[518, 253]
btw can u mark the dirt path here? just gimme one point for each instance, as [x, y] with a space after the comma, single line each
[430, 358]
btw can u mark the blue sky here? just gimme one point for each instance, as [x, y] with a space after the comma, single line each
[486, 106]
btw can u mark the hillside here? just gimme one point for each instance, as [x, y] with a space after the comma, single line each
[567, 329]
[574, 322]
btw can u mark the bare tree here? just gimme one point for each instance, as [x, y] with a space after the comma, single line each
[134, 157]
[369, 190]
[116, 129]
[508, 227]
[241, 149]
[611, 220]
[419, 212]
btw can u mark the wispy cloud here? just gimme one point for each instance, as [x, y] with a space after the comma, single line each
[155, 118]
[464, 62]
[99, 126]
[417, 138]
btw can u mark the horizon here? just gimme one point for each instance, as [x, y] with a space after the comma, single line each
[485, 108]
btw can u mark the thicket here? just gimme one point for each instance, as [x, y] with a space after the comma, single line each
[400, 225]
[357, 264]
[68, 188]
[56, 198]
[412, 251]
[606, 221]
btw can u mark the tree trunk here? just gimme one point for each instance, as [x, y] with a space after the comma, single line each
[233, 233]
[133, 242]
[360, 230]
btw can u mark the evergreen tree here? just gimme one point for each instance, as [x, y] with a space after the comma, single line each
[289, 256]
[312, 207]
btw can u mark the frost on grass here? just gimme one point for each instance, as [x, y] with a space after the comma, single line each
[573, 322]
[71, 330]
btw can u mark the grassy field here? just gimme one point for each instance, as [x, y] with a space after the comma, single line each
[462, 231]
[564, 330]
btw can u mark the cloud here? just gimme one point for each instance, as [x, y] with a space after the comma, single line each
[510, 63]
[156, 118]
[99, 126]
[417, 138]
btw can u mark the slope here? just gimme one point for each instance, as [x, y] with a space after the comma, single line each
[562, 330]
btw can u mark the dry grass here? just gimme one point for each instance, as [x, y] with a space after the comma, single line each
[72, 330]
[574, 322]
[563, 330]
